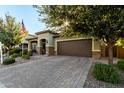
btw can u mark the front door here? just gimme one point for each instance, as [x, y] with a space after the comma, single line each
[34, 46]
[43, 45]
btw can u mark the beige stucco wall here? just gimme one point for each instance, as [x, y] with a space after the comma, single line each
[51, 40]
[48, 37]
[96, 45]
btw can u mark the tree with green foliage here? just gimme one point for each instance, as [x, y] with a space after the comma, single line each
[55, 16]
[105, 23]
[9, 32]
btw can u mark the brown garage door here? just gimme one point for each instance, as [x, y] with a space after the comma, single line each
[75, 48]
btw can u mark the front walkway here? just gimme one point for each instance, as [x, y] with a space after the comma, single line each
[47, 72]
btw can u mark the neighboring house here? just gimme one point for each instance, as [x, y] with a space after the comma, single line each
[47, 42]
[24, 44]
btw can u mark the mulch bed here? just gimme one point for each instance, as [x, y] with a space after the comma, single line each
[91, 82]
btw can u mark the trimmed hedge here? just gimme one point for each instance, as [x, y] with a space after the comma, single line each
[120, 64]
[106, 73]
[9, 61]
[26, 56]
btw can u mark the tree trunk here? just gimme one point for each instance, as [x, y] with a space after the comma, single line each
[110, 52]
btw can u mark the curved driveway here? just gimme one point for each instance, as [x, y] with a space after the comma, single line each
[47, 72]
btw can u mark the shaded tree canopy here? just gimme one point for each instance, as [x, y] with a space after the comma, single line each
[97, 21]
[107, 22]
[56, 16]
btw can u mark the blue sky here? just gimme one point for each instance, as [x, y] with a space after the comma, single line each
[25, 12]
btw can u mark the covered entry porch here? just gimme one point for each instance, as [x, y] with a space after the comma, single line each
[43, 43]
[32, 45]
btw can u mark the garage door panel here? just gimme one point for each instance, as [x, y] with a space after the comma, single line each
[75, 48]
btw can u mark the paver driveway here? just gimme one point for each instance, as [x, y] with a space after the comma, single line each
[48, 72]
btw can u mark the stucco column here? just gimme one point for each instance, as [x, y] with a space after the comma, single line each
[50, 50]
[38, 47]
[29, 46]
[38, 43]
[96, 49]
[55, 48]
[96, 54]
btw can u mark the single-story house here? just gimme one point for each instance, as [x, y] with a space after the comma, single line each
[24, 43]
[47, 42]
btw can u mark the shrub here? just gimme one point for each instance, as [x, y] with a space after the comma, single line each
[120, 64]
[9, 61]
[26, 56]
[20, 54]
[25, 51]
[106, 73]
[14, 55]
[15, 50]
[11, 52]
[30, 53]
